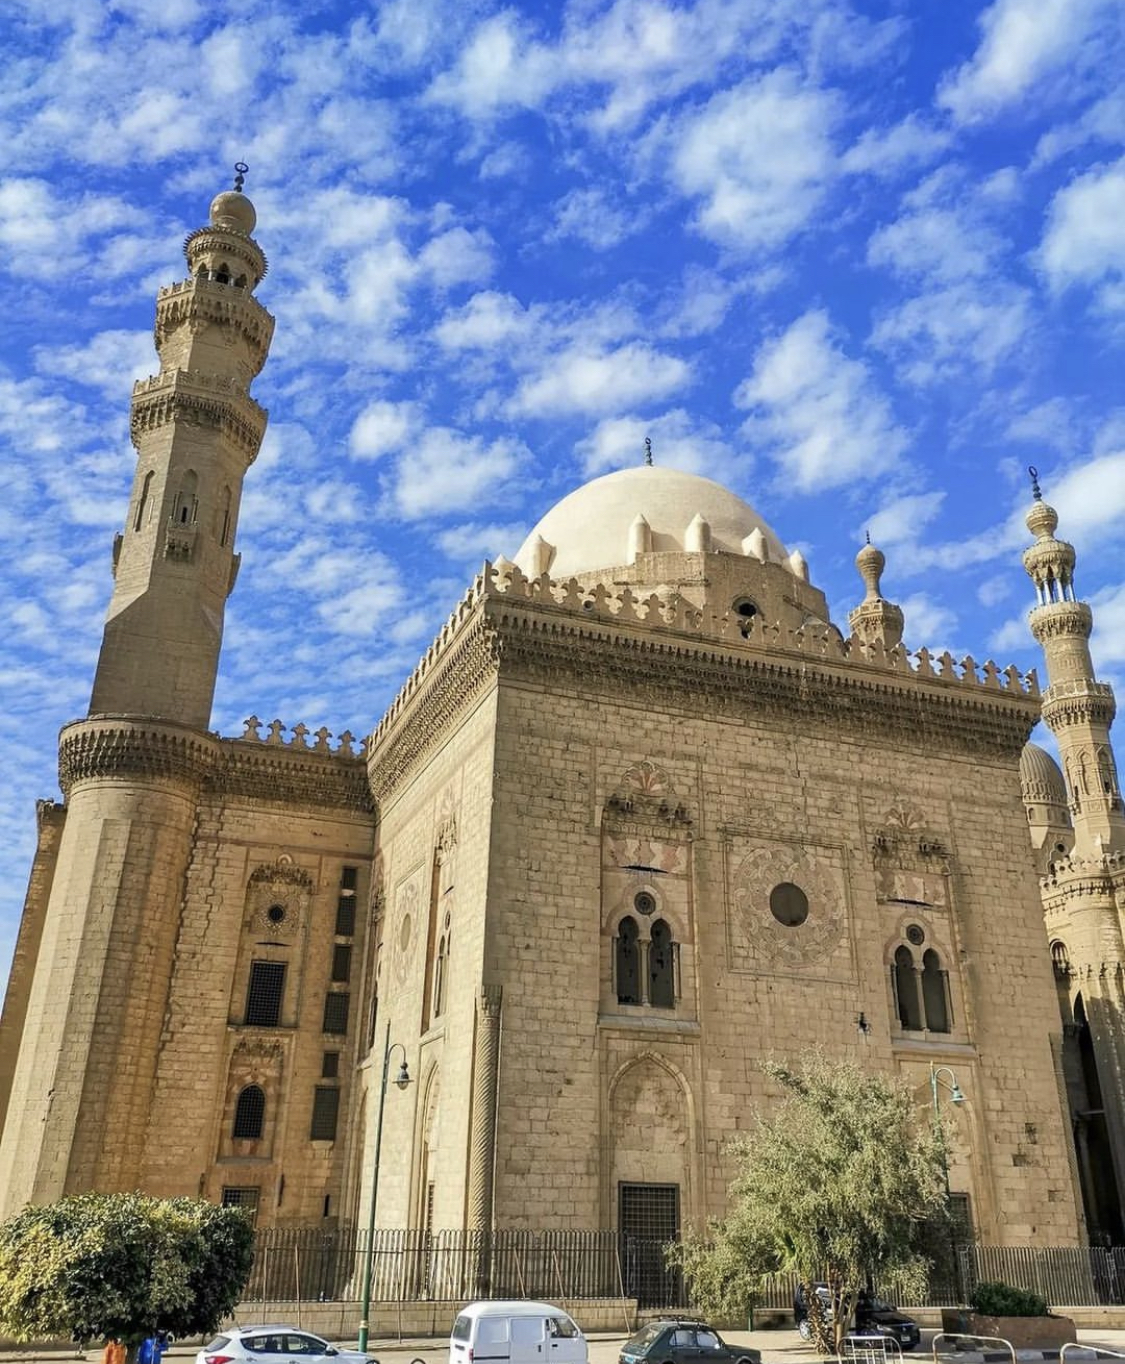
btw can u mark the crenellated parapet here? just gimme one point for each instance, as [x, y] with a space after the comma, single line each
[198, 303]
[192, 398]
[292, 771]
[564, 633]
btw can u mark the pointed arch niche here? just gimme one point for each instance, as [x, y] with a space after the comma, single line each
[647, 921]
[649, 1126]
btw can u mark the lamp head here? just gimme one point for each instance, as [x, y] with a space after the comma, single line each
[956, 1093]
[402, 1079]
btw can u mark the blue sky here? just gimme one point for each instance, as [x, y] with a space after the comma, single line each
[861, 262]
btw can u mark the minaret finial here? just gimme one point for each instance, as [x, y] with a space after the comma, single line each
[240, 169]
[648, 451]
[1036, 492]
[867, 533]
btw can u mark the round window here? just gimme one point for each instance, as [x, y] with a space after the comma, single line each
[789, 904]
[644, 902]
[276, 914]
[746, 608]
[916, 934]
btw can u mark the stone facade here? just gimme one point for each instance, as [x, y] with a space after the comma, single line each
[626, 831]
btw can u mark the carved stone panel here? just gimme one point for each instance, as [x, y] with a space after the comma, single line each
[277, 900]
[788, 907]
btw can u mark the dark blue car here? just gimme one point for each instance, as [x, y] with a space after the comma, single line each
[682, 1340]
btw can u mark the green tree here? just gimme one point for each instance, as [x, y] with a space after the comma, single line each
[120, 1267]
[833, 1185]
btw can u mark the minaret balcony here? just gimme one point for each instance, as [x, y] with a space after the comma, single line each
[201, 302]
[1078, 700]
[179, 540]
[202, 399]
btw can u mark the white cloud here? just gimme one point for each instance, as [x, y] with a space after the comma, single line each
[474, 541]
[1090, 500]
[500, 67]
[1023, 43]
[44, 233]
[887, 151]
[966, 312]
[928, 622]
[1108, 639]
[589, 216]
[447, 473]
[110, 361]
[759, 157]
[458, 257]
[381, 428]
[679, 441]
[488, 320]
[1084, 238]
[600, 381]
[904, 518]
[994, 590]
[819, 412]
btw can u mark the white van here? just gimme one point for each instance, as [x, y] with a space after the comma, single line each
[516, 1333]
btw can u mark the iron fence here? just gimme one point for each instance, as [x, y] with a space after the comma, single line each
[571, 1266]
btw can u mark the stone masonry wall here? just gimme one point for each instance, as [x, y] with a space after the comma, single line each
[771, 798]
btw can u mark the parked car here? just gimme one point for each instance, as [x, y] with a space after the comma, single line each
[516, 1332]
[683, 1340]
[873, 1317]
[273, 1345]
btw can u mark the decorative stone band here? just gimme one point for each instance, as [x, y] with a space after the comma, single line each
[1072, 879]
[1061, 619]
[224, 305]
[1078, 701]
[187, 396]
[115, 746]
[230, 242]
[118, 747]
[537, 627]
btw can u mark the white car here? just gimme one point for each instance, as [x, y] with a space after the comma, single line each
[274, 1345]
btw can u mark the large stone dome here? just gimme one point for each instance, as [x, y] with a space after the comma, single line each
[1040, 778]
[591, 527]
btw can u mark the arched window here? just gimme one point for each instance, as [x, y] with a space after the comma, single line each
[249, 1114]
[1060, 960]
[440, 965]
[1086, 1055]
[222, 275]
[142, 504]
[906, 990]
[933, 993]
[224, 517]
[661, 971]
[628, 963]
[187, 505]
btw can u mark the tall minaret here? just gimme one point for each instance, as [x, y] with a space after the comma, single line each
[81, 1034]
[1077, 708]
[197, 431]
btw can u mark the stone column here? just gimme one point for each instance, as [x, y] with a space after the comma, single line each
[486, 1073]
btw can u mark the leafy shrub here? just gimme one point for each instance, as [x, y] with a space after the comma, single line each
[1001, 1300]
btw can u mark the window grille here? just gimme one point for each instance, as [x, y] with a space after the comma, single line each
[345, 915]
[628, 963]
[249, 1114]
[906, 990]
[326, 1106]
[661, 977]
[348, 878]
[264, 995]
[336, 1013]
[341, 961]
[933, 993]
[330, 1065]
[245, 1197]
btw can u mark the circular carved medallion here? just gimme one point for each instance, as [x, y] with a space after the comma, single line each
[791, 906]
[916, 934]
[408, 902]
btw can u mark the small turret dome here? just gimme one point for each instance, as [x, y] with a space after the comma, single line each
[232, 210]
[1041, 781]
[602, 524]
[1042, 520]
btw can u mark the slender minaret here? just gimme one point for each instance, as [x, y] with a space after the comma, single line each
[1077, 708]
[197, 431]
[88, 1020]
[875, 620]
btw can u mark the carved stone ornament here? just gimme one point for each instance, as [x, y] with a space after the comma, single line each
[905, 843]
[277, 899]
[406, 935]
[752, 883]
[645, 794]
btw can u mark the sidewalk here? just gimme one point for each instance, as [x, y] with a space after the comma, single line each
[779, 1346]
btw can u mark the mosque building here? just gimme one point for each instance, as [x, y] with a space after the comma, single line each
[641, 817]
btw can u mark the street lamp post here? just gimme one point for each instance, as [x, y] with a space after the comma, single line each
[957, 1096]
[402, 1079]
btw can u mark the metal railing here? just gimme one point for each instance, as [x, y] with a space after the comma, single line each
[977, 1341]
[308, 1264]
